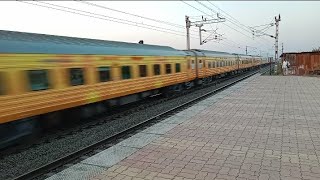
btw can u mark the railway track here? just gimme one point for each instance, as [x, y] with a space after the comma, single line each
[95, 147]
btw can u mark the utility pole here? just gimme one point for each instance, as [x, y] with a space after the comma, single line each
[246, 50]
[200, 25]
[188, 24]
[277, 37]
[282, 49]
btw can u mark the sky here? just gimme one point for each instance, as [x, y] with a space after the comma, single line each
[163, 22]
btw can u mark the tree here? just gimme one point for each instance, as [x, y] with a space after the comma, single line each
[316, 49]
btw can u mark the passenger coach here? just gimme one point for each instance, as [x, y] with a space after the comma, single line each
[45, 77]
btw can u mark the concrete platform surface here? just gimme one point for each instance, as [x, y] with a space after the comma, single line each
[262, 128]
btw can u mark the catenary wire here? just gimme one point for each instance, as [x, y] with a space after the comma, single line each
[107, 19]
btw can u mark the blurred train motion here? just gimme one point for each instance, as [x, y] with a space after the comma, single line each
[45, 79]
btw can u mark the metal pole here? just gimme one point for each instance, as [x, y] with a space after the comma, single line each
[277, 36]
[188, 33]
[200, 35]
[246, 50]
[200, 25]
[269, 63]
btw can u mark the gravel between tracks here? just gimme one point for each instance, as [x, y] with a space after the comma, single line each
[16, 164]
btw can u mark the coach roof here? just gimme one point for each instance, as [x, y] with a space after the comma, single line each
[209, 53]
[21, 42]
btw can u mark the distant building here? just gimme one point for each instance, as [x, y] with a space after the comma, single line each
[303, 63]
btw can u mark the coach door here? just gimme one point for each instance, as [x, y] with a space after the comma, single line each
[238, 61]
[200, 67]
[193, 64]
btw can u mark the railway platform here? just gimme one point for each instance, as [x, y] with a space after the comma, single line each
[265, 127]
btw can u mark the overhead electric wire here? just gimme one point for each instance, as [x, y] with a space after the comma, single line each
[108, 16]
[112, 19]
[229, 21]
[211, 16]
[271, 24]
[236, 20]
[123, 12]
[225, 17]
[136, 15]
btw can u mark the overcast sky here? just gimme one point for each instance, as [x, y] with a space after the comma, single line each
[299, 25]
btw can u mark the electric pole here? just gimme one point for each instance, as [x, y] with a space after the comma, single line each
[282, 49]
[246, 50]
[277, 37]
[200, 25]
[188, 24]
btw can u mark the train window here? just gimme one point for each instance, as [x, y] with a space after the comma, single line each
[213, 64]
[38, 79]
[143, 70]
[168, 68]
[156, 69]
[192, 64]
[209, 64]
[200, 64]
[76, 76]
[178, 68]
[104, 74]
[126, 73]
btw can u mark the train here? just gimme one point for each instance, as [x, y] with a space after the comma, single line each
[46, 79]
